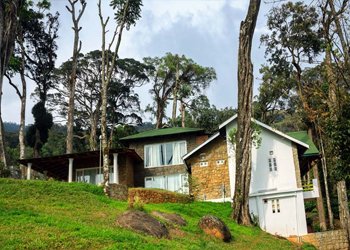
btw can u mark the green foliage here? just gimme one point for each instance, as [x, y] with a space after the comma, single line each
[294, 35]
[38, 133]
[256, 135]
[51, 215]
[127, 11]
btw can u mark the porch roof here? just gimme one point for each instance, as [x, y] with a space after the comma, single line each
[57, 166]
[163, 132]
[304, 137]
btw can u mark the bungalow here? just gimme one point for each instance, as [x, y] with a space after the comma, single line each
[278, 165]
[152, 159]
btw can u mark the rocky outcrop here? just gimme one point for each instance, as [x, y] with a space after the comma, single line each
[212, 225]
[170, 218]
[143, 223]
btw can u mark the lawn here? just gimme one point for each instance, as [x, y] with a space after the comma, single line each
[58, 215]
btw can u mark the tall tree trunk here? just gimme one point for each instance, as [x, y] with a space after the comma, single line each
[8, 25]
[93, 132]
[319, 200]
[343, 207]
[175, 92]
[159, 114]
[183, 115]
[325, 179]
[244, 131]
[73, 76]
[23, 97]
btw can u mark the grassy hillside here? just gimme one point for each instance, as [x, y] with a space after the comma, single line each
[51, 215]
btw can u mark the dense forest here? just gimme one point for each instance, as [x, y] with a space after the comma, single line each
[305, 84]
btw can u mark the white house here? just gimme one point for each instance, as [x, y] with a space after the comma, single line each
[276, 192]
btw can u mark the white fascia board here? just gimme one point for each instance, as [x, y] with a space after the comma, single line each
[200, 146]
[268, 128]
[227, 121]
[280, 193]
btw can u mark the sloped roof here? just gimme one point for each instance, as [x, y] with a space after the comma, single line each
[162, 132]
[304, 137]
[297, 141]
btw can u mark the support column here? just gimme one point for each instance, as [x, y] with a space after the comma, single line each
[70, 170]
[29, 170]
[115, 169]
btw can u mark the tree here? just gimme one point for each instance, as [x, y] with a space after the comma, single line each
[126, 15]
[9, 13]
[123, 102]
[177, 78]
[72, 79]
[40, 56]
[244, 131]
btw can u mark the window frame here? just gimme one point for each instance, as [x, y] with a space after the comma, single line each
[163, 143]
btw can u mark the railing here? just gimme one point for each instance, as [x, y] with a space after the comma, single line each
[307, 186]
[310, 190]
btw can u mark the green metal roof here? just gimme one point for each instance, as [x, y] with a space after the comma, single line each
[304, 137]
[161, 132]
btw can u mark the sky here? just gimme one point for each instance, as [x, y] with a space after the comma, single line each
[205, 30]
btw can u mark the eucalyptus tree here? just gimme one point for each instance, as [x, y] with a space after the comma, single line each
[76, 16]
[122, 101]
[9, 16]
[243, 147]
[127, 12]
[176, 78]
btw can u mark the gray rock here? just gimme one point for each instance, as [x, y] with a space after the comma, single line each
[212, 225]
[142, 222]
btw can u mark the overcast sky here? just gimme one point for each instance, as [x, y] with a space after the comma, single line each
[205, 30]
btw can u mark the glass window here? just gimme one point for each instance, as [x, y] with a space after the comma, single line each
[164, 154]
[92, 175]
[175, 183]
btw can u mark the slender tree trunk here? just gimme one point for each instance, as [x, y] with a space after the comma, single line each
[73, 76]
[325, 179]
[8, 25]
[175, 92]
[93, 132]
[183, 115]
[343, 207]
[159, 114]
[319, 200]
[244, 131]
[23, 97]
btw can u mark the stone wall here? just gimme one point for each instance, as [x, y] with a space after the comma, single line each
[296, 164]
[328, 240]
[211, 178]
[150, 195]
[140, 172]
[118, 192]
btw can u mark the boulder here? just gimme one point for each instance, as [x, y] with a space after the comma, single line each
[214, 226]
[142, 222]
[170, 218]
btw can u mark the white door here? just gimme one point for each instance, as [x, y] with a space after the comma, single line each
[280, 216]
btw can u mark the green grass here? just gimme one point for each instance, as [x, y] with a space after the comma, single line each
[52, 215]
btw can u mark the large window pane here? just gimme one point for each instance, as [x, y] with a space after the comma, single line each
[164, 154]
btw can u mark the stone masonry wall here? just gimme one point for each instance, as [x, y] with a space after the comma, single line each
[118, 192]
[149, 195]
[329, 240]
[140, 172]
[209, 181]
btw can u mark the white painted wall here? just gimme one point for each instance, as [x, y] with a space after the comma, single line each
[269, 185]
